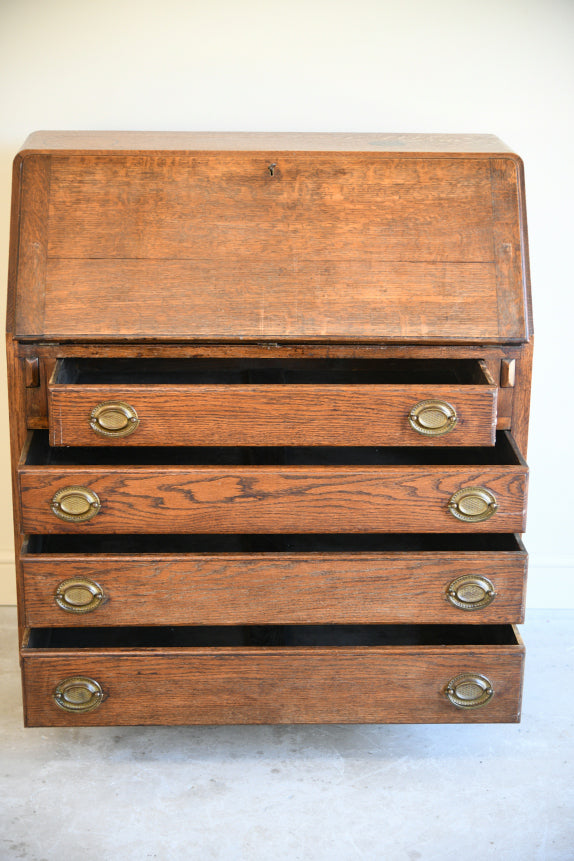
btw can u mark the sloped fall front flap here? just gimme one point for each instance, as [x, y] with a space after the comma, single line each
[271, 245]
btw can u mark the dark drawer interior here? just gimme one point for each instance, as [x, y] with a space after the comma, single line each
[40, 453]
[268, 371]
[259, 544]
[275, 636]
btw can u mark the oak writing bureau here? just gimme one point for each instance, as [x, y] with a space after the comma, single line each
[269, 408]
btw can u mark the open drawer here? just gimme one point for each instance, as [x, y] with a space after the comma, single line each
[272, 674]
[197, 402]
[107, 580]
[272, 490]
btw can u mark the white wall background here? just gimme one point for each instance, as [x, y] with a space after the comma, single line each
[500, 66]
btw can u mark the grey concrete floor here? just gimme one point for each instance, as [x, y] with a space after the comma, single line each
[417, 793]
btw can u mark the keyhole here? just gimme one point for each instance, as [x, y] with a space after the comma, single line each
[272, 167]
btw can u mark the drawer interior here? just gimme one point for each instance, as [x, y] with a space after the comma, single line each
[259, 544]
[40, 453]
[269, 372]
[271, 636]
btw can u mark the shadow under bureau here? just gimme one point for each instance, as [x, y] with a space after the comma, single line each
[269, 410]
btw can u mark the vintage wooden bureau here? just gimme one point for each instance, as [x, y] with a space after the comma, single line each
[269, 409]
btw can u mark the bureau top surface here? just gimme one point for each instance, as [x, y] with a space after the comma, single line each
[281, 237]
[132, 141]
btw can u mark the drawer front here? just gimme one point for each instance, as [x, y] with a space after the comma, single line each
[275, 588]
[255, 403]
[272, 499]
[272, 686]
[275, 415]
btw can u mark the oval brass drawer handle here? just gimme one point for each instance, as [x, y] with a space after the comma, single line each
[79, 595]
[473, 504]
[114, 419]
[75, 504]
[78, 694]
[469, 691]
[433, 417]
[471, 592]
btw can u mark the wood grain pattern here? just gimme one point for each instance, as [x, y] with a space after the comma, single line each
[250, 300]
[315, 208]
[18, 433]
[509, 418]
[274, 686]
[109, 141]
[275, 588]
[32, 252]
[274, 499]
[37, 410]
[521, 400]
[331, 246]
[508, 250]
[13, 256]
[198, 415]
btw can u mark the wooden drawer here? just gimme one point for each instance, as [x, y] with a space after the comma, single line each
[299, 674]
[270, 490]
[271, 402]
[255, 580]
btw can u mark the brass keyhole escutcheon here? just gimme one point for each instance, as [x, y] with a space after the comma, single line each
[78, 694]
[469, 691]
[114, 419]
[473, 504]
[471, 592]
[79, 595]
[433, 417]
[75, 504]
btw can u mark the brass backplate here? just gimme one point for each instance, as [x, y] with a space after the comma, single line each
[469, 691]
[433, 417]
[78, 694]
[75, 504]
[473, 504]
[471, 592]
[114, 419]
[79, 595]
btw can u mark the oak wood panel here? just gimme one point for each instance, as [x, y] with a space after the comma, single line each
[508, 250]
[271, 414]
[317, 207]
[18, 435]
[13, 256]
[280, 588]
[274, 686]
[274, 499]
[521, 399]
[32, 250]
[344, 300]
[457, 145]
[148, 348]
[380, 228]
